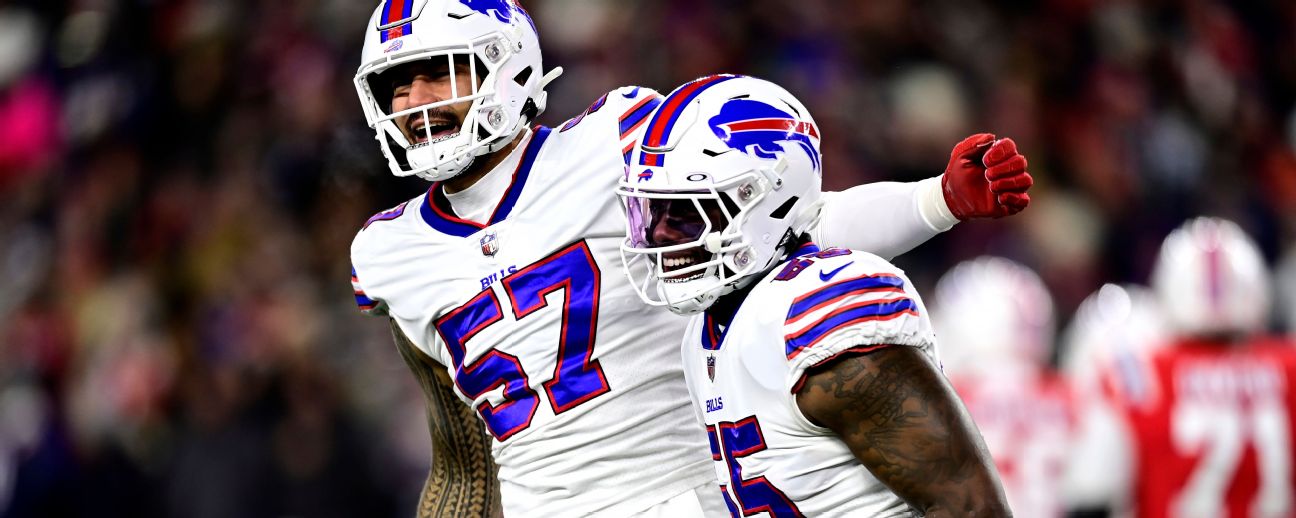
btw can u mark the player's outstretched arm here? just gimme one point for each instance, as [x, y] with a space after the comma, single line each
[463, 480]
[901, 418]
[985, 178]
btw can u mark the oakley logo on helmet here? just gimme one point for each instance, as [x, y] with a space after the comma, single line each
[754, 127]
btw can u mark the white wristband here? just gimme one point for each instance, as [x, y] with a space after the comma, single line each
[931, 205]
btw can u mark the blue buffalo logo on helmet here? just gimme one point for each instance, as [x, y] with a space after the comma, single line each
[756, 128]
[502, 10]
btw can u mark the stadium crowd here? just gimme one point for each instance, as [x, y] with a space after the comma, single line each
[180, 182]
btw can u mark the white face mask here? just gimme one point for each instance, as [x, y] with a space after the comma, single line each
[499, 51]
[676, 256]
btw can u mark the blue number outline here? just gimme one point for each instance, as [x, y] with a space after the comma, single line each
[577, 378]
[724, 434]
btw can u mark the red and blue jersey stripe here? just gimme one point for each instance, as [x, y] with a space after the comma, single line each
[395, 11]
[836, 291]
[638, 114]
[712, 334]
[362, 300]
[848, 314]
[633, 118]
[436, 209]
[664, 121]
[715, 325]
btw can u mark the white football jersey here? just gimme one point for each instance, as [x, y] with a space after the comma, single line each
[533, 318]
[743, 378]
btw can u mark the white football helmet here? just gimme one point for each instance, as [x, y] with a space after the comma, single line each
[723, 185]
[992, 316]
[497, 41]
[1212, 280]
[1112, 325]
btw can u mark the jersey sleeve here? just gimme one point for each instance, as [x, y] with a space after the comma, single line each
[1099, 465]
[856, 302]
[364, 248]
[624, 111]
[367, 305]
[633, 120]
[914, 211]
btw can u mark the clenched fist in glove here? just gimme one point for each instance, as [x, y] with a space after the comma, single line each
[986, 178]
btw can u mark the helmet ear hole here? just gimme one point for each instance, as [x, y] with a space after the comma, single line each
[380, 86]
[397, 151]
[729, 205]
[522, 77]
[783, 210]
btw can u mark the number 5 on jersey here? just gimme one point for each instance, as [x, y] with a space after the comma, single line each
[733, 441]
[576, 378]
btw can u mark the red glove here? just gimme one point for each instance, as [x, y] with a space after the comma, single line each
[986, 178]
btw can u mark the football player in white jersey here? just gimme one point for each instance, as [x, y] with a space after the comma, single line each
[814, 371]
[501, 281]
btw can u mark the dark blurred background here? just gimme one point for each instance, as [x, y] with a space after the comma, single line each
[180, 182]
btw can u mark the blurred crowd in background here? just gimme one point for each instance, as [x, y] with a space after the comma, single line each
[180, 182]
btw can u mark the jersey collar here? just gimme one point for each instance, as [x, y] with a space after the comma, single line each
[436, 209]
[713, 331]
[715, 322]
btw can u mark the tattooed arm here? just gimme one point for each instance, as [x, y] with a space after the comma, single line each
[901, 418]
[463, 480]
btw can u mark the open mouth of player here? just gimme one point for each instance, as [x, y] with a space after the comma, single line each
[432, 129]
[677, 261]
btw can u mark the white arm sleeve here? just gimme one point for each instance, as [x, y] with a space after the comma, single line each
[1100, 469]
[884, 218]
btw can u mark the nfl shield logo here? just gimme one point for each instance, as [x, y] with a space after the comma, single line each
[489, 244]
[711, 367]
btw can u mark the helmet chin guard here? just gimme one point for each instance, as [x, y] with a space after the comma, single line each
[495, 45]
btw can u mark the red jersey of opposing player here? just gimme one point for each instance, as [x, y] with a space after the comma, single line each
[1027, 423]
[1211, 429]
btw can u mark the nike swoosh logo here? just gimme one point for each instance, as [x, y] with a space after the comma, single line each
[825, 276]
